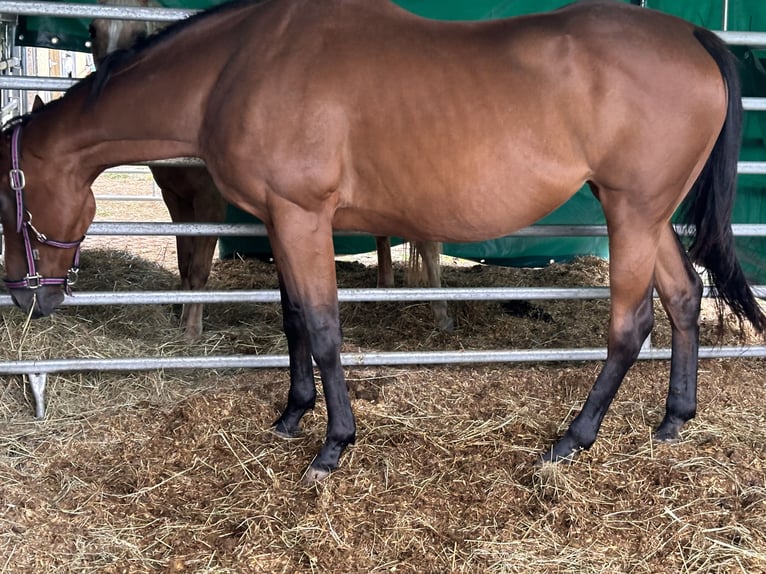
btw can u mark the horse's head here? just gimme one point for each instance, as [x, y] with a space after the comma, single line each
[43, 226]
[107, 36]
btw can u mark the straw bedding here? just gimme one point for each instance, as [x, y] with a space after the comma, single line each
[177, 471]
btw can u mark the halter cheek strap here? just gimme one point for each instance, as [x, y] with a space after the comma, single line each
[33, 279]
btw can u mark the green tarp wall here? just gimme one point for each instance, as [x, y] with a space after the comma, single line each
[744, 15]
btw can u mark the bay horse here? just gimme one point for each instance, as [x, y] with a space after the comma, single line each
[316, 115]
[191, 196]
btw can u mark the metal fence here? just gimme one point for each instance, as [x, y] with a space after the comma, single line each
[37, 369]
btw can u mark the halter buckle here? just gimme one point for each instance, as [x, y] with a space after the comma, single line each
[71, 276]
[17, 180]
[33, 281]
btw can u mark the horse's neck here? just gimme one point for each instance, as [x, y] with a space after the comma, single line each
[149, 109]
[118, 128]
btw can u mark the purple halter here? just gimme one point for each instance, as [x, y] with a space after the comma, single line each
[33, 279]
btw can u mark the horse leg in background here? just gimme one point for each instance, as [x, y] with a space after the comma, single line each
[681, 295]
[303, 250]
[429, 253]
[632, 260]
[192, 197]
[385, 265]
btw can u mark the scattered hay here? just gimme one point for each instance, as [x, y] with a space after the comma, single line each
[177, 471]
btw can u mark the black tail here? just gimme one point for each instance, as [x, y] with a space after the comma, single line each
[709, 205]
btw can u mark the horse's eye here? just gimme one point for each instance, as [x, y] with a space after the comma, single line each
[92, 31]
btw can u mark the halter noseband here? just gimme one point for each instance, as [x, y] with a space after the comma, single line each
[33, 279]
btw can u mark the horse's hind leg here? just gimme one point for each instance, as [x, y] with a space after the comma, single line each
[191, 313]
[208, 206]
[632, 257]
[194, 269]
[191, 196]
[385, 265]
[429, 252]
[680, 290]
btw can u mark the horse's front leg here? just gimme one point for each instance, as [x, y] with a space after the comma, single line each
[302, 394]
[303, 249]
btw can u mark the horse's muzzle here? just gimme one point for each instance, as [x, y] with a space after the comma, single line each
[41, 302]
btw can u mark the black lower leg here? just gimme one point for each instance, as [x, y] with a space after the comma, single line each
[302, 394]
[325, 334]
[623, 349]
[583, 430]
[681, 403]
[681, 295]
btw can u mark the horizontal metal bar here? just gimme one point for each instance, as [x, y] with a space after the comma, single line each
[353, 359]
[754, 104]
[743, 38]
[744, 229]
[157, 197]
[111, 228]
[344, 295]
[72, 10]
[117, 228]
[36, 83]
[128, 169]
[259, 230]
[751, 167]
[367, 295]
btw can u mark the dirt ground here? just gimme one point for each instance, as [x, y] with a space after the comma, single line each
[177, 471]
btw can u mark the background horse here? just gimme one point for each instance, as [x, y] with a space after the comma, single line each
[192, 197]
[357, 115]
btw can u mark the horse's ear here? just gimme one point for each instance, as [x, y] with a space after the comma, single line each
[38, 103]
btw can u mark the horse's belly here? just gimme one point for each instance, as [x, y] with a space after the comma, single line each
[474, 215]
[462, 186]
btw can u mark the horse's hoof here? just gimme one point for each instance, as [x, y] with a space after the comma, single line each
[192, 336]
[668, 432]
[283, 433]
[446, 325]
[666, 437]
[563, 452]
[546, 458]
[314, 476]
[192, 332]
